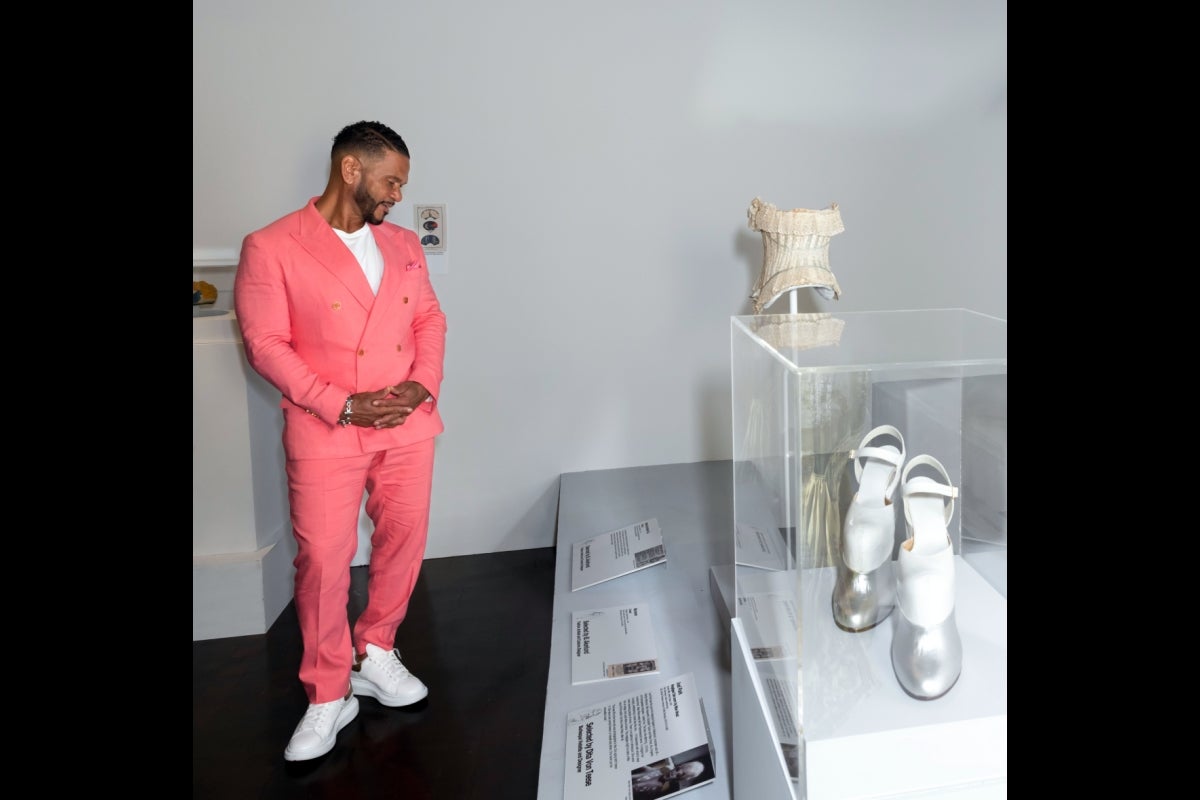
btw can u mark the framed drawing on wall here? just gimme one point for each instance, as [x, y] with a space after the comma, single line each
[431, 227]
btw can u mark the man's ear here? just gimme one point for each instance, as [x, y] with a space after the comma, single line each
[351, 169]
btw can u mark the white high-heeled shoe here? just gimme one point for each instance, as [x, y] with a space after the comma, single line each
[926, 646]
[864, 590]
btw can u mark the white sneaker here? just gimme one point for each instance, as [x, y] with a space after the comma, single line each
[381, 675]
[318, 729]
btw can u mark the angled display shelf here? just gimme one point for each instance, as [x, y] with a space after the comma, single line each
[819, 709]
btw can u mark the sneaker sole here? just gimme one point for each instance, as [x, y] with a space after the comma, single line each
[345, 717]
[365, 687]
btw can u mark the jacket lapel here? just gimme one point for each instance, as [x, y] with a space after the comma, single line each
[319, 240]
[396, 257]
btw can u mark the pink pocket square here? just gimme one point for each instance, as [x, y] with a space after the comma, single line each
[413, 265]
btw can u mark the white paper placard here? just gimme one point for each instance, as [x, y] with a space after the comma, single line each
[613, 643]
[616, 553]
[650, 743]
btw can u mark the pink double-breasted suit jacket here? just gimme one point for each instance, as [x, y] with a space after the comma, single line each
[314, 330]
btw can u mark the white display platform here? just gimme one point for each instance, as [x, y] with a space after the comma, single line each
[760, 771]
[857, 713]
[693, 505]
[860, 715]
[241, 548]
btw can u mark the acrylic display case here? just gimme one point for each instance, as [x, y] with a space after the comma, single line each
[818, 710]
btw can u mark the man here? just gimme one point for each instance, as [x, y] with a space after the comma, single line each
[337, 312]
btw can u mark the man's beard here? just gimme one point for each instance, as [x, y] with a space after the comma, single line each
[367, 205]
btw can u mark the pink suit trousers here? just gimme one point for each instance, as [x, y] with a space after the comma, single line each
[326, 494]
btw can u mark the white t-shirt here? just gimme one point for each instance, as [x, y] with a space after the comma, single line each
[366, 250]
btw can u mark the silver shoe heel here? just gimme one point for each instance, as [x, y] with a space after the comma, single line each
[927, 651]
[927, 661]
[863, 600]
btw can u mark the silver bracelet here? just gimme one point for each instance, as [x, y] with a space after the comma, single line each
[344, 419]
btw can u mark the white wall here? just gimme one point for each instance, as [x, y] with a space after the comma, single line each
[597, 161]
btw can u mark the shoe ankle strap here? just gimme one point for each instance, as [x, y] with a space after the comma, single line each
[878, 453]
[929, 486]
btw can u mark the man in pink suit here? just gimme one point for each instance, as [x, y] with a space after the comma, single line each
[337, 312]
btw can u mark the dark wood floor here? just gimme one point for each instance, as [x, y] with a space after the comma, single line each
[478, 635]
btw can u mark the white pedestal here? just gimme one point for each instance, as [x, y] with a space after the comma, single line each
[241, 550]
[856, 714]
